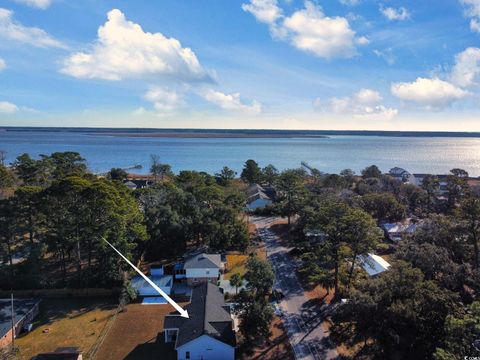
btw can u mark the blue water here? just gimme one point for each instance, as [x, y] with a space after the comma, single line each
[416, 154]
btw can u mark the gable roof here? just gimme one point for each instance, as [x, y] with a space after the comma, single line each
[208, 315]
[257, 191]
[203, 261]
[21, 308]
[409, 228]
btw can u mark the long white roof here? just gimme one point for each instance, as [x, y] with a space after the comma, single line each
[374, 264]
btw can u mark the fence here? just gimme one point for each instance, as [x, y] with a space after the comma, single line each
[54, 293]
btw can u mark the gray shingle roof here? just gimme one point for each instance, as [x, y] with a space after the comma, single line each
[203, 261]
[21, 307]
[256, 191]
[208, 315]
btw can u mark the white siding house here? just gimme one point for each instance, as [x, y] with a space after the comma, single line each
[208, 334]
[259, 203]
[207, 348]
[203, 267]
[258, 197]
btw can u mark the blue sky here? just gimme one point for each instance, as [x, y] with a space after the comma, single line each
[281, 64]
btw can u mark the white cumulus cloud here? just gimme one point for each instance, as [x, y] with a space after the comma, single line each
[399, 14]
[8, 108]
[231, 102]
[308, 29]
[266, 11]
[124, 50]
[40, 4]
[364, 104]
[466, 70]
[368, 97]
[472, 7]
[163, 100]
[428, 92]
[475, 25]
[14, 31]
[472, 10]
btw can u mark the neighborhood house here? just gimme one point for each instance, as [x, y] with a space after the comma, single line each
[208, 333]
[258, 197]
[398, 231]
[24, 311]
[203, 268]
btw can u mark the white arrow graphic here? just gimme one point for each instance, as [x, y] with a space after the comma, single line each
[183, 313]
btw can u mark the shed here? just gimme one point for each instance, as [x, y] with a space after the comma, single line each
[373, 264]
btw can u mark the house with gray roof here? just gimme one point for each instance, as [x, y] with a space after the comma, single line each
[203, 267]
[24, 311]
[208, 333]
[259, 196]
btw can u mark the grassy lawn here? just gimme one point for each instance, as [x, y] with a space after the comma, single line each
[236, 262]
[137, 333]
[70, 322]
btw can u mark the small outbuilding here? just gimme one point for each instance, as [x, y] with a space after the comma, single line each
[63, 353]
[145, 290]
[373, 264]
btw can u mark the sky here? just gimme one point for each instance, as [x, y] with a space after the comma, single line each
[260, 64]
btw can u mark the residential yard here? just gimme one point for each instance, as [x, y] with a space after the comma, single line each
[236, 262]
[71, 322]
[278, 347]
[137, 333]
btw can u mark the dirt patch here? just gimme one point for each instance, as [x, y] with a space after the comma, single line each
[320, 293]
[252, 229]
[278, 347]
[70, 322]
[138, 334]
[351, 348]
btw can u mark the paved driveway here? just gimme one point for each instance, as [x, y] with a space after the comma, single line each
[302, 317]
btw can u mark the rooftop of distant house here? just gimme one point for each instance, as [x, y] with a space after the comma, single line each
[63, 353]
[208, 315]
[256, 191]
[203, 261]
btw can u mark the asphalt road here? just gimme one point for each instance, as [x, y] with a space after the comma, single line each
[301, 316]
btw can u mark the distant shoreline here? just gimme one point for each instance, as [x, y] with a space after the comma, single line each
[207, 135]
[237, 133]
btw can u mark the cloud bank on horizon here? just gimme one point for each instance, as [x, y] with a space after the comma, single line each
[343, 64]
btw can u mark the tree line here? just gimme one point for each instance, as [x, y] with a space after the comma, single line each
[426, 304]
[54, 213]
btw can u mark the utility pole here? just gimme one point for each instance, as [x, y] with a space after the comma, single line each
[13, 323]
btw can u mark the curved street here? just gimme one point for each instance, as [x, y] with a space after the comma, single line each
[301, 318]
